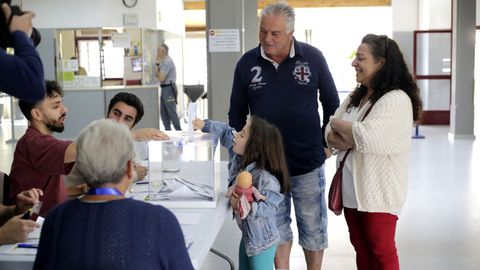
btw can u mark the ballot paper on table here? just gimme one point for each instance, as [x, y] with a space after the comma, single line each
[192, 115]
[35, 234]
[188, 242]
[32, 238]
[178, 188]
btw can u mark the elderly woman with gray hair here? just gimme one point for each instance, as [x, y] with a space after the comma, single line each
[103, 229]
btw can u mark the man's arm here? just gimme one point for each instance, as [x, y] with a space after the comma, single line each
[239, 109]
[76, 190]
[50, 155]
[160, 74]
[141, 171]
[328, 93]
[21, 75]
[147, 134]
[71, 153]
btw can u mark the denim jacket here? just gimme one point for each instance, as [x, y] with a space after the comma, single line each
[259, 229]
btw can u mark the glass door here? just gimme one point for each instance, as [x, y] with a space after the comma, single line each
[432, 69]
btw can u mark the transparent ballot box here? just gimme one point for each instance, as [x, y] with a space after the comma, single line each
[184, 171]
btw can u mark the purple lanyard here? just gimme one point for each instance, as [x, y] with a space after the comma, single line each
[104, 191]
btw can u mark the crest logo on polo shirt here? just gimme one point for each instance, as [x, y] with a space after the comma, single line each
[302, 72]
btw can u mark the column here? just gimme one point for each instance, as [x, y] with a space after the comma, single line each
[463, 62]
[222, 14]
[250, 24]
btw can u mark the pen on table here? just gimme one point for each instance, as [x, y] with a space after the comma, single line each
[141, 183]
[27, 245]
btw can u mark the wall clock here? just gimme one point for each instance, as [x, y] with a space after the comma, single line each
[130, 3]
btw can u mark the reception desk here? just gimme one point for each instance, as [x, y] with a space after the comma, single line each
[88, 104]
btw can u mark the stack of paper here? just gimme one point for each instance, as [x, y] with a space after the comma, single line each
[179, 188]
[188, 241]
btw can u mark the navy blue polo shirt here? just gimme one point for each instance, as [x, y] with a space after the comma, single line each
[288, 98]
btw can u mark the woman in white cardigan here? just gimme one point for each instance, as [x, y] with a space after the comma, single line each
[375, 173]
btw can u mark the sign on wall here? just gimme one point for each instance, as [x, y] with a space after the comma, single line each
[223, 40]
[121, 40]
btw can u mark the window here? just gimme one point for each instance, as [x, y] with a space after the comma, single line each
[89, 57]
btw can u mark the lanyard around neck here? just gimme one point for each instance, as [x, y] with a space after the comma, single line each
[104, 191]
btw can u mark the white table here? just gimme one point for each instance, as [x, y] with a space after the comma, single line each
[203, 234]
[201, 225]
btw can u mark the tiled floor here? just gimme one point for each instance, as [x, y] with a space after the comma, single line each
[439, 227]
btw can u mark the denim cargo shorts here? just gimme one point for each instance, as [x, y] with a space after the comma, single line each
[308, 194]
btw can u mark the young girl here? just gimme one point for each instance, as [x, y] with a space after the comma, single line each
[258, 149]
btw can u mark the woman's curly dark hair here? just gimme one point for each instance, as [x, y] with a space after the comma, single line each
[393, 75]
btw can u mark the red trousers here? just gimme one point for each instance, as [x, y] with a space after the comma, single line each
[373, 237]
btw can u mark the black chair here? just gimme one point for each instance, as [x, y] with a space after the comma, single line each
[4, 188]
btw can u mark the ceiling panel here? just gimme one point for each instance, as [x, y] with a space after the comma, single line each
[195, 4]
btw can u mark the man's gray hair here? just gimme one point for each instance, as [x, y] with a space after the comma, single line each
[103, 149]
[281, 9]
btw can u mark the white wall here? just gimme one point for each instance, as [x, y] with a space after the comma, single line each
[404, 22]
[105, 13]
[411, 15]
[170, 16]
[339, 43]
[434, 14]
[478, 12]
[405, 15]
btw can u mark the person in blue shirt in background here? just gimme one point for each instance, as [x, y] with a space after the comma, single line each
[167, 75]
[282, 80]
[258, 149]
[21, 75]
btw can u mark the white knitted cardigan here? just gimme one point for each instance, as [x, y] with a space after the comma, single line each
[381, 154]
